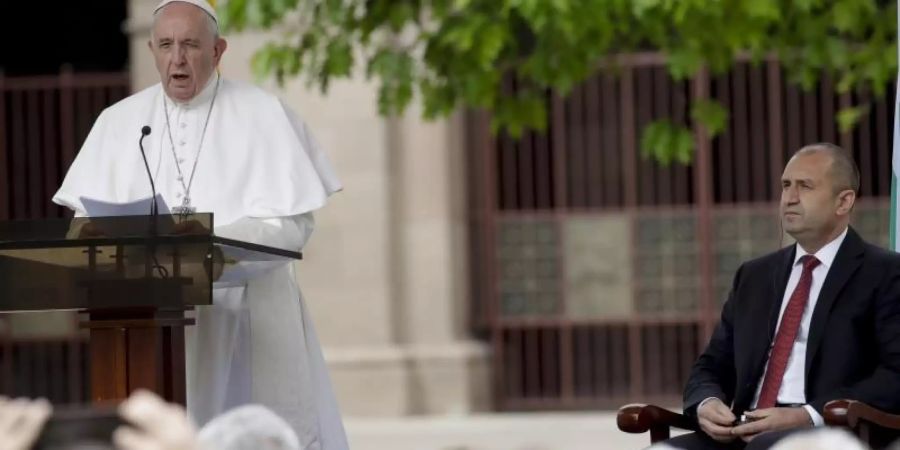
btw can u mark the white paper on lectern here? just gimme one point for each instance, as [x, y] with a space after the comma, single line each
[141, 207]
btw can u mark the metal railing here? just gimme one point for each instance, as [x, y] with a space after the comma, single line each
[43, 122]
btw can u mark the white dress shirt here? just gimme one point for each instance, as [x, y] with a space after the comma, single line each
[793, 385]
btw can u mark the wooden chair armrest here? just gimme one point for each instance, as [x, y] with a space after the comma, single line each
[835, 413]
[639, 418]
[849, 413]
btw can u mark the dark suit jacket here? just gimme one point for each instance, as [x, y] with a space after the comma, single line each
[853, 350]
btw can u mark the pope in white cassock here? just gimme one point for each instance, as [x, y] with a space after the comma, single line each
[232, 149]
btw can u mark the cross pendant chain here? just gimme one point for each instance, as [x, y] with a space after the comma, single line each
[186, 208]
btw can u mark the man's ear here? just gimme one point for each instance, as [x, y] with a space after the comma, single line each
[221, 45]
[846, 200]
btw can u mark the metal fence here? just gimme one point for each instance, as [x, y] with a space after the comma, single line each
[597, 275]
[43, 122]
[55, 369]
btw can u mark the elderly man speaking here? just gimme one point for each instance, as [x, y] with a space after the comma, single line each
[232, 149]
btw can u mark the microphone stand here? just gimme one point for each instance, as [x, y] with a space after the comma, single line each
[154, 208]
[154, 213]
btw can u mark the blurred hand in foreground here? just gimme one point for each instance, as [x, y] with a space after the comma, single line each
[155, 425]
[21, 422]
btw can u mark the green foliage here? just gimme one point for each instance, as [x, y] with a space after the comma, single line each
[452, 53]
[711, 114]
[667, 143]
[848, 117]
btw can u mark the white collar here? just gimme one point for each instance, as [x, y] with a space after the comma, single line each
[826, 254]
[204, 96]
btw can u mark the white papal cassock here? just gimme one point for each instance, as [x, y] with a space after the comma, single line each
[261, 173]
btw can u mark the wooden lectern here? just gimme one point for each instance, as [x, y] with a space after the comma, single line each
[133, 278]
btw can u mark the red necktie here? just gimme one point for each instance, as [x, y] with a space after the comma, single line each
[787, 333]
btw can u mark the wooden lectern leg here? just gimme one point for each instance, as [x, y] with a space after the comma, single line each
[145, 371]
[130, 354]
[173, 356]
[108, 365]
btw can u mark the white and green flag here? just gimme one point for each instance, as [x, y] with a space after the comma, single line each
[895, 160]
[895, 171]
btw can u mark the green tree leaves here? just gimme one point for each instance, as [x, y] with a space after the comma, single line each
[453, 53]
[711, 114]
[667, 143]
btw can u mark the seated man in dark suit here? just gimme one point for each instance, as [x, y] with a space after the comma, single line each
[810, 323]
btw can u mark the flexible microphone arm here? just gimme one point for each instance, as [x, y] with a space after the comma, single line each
[154, 208]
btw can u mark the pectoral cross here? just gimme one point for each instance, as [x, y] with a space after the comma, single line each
[185, 209]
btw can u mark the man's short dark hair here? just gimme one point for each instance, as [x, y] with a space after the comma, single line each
[844, 171]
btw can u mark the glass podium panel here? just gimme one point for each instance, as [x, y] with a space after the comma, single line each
[117, 262]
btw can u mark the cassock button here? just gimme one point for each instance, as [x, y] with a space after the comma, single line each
[183, 125]
[181, 143]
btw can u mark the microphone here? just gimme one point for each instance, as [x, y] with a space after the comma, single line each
[154, 208]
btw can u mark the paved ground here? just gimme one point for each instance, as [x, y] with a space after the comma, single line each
[519, 431]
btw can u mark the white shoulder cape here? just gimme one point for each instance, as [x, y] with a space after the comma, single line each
[258, 158]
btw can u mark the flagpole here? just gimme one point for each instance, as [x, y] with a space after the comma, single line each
[895, 159]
